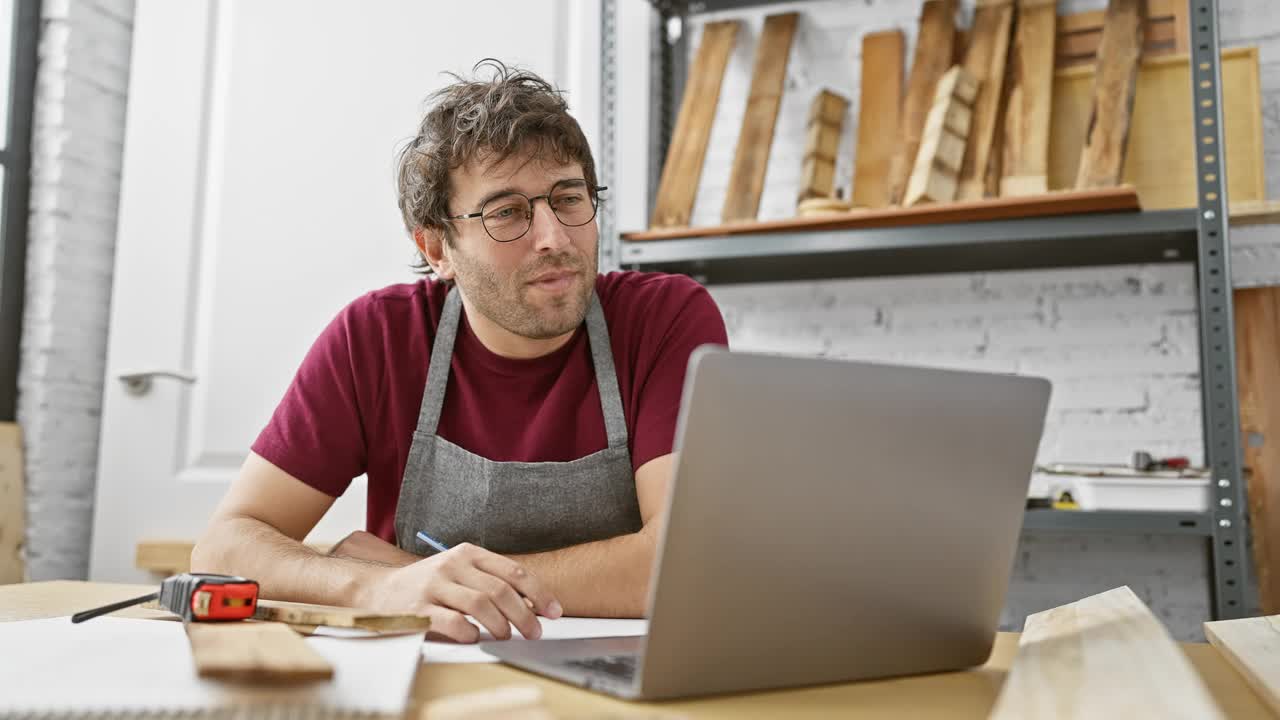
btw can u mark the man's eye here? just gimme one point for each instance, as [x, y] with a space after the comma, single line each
[568, 200]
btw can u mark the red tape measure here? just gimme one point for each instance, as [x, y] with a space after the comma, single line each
[195, 597]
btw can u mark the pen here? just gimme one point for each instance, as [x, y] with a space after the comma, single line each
[434, 543]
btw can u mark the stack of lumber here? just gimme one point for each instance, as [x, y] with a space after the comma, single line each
[1067, 103]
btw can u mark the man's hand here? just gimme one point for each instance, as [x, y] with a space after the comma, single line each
[466, 580]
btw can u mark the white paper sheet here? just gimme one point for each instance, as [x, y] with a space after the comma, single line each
[129, 665]
[565, 627]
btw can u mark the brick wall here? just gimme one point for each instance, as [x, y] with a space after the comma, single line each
[1119, 343]
[76, 153]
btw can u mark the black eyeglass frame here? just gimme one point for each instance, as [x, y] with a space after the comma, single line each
[595, 207]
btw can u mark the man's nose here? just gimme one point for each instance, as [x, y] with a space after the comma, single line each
[547, 230]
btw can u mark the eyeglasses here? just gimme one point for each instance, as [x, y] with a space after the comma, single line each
[508, 216]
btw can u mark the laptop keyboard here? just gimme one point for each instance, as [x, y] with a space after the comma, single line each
[622, 667]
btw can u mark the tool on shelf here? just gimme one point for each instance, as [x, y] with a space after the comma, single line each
[195, 597]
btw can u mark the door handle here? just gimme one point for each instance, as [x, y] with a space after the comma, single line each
[139, 383]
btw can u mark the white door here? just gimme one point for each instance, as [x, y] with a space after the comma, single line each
[258, 200]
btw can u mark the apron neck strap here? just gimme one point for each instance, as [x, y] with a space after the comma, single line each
[615, 421]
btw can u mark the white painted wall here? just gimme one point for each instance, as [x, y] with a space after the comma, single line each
[1119, 342]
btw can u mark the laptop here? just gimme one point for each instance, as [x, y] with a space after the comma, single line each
[828, 521]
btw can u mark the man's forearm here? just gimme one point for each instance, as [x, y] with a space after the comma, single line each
[284, 568]
[606, 578]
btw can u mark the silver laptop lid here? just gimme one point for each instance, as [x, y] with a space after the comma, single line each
[836, 520]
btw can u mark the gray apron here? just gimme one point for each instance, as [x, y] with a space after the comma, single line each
[457, 496]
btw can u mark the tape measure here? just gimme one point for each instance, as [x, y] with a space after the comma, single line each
[194, 597]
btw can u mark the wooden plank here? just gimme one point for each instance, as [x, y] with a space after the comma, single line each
[985, 62]
[1025, 165]
[171, 556]
[1252, 647]
[751, 159]
[1119, 199]
[1159, 161]
[946, 130]
[822, 143]
[1115, 82]
[879, 107]
[255, 652]
[1257, 319]
[934, 45]
[1080, 34]
[164, 557]
[1260, 212]
[13, 514]
[331, 616]
[1103, 656]
[678, 187]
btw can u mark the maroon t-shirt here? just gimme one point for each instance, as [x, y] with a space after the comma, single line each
[353, 405]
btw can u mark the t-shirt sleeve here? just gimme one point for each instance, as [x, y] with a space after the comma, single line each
[697, 321]
[316, 433]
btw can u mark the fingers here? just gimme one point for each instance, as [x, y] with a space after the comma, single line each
[524, 582]
[475, 603]
[452, 625]
[506, 600]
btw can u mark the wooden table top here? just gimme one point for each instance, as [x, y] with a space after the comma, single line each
[964, 694]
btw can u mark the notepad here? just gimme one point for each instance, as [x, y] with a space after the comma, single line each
[565, 627]
[120, 665]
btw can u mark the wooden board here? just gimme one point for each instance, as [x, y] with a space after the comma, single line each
[170, 557]
[255, 652]
[1080, 34]
[826, 119]
[1257, 318]
[13, 503]
[1025, 145]
[985, 60]
[331, 616]
[879, 107]
[934, 45]
[1252, 647]
[934, 177]
[1105, 656]
[1254, 212]
[1120, 199]
[1159, 160]
[746, 180]
[1115, 82]
[678, 186]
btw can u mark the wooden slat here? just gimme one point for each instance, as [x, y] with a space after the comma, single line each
[1257, 318]
[751, 159]
[826, 120]
[683, 168]
[13, 525]
[1058, 203]
[879, 107]
[1254, 212]
[164, 557]
[307, 614]
[1115, 82]
[1159, 161]
[934, 45]
[1079, 34]
[1105, 656]
[985, 62]
[1252, 647]
[255, 652]
[1025, 165]
[170, 557]
[934, 177]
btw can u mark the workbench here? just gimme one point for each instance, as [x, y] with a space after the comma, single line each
[963, 694]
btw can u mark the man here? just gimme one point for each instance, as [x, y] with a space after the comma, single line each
[514, 406]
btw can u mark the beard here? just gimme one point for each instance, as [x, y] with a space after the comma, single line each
[520, 308]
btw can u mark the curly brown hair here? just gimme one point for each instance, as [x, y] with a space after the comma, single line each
[512, 112]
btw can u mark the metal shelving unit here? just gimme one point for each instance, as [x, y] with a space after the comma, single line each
[1197, 235]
